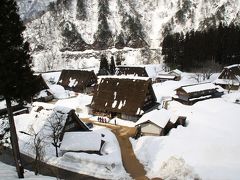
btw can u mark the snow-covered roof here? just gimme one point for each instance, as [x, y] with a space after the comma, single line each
[151, 69]
[233, 65]
[176, 71]
[158, 117]
[227, 81]
[166, 76]
[119, 95]
[198, 87]
[81, 141]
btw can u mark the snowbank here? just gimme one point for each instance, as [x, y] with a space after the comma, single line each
[209, 143]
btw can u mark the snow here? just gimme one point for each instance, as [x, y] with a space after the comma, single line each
[232, 66]
[199, 87]
[207, 148]
[8, 172]
[209, 143]
[159, 117]
[81, 141]
[59, 92]
[229, 82]
[105, 166]
[72, 82]
[122, 122]
[166, 76]
[176, 72]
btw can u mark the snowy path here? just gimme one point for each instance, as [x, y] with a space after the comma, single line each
[130, 162]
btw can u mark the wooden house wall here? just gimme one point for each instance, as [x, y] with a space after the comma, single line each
[151, 129]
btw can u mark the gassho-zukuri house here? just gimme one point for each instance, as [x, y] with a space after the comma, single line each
[229, 77]
[44, 116]
[150, 71]
[125, 97]
[78, 80]
[190, 94]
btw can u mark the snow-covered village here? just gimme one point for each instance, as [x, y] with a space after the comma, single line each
[120, 90]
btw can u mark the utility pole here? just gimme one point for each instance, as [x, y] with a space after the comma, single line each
[14, 140]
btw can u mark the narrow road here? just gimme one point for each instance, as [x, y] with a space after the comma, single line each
[130, 162]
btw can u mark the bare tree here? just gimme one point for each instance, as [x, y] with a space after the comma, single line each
[198, 77]
[209, 68]
[55, 125]
[38, 146]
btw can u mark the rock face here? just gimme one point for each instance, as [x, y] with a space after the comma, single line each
[78, 25]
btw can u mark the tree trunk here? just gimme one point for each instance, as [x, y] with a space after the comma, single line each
[14, 140]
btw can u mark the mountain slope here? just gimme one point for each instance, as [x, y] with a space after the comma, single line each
[78, 25]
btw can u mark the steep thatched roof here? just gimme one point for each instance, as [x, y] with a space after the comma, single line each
[41, 83]
[122, 95]
[77, 80]
[132, 70]
[231, 72]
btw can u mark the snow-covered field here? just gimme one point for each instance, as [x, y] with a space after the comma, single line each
[9, 173]
[207, 148]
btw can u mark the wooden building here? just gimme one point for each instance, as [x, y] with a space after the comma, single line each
[132, 70]
[67, 118]
[150, 70]
[177, 73]
[196, 92]
[124, 97]
[155, 123]
[78, 80]
[230, 77]
[44, 93]
[166, 77]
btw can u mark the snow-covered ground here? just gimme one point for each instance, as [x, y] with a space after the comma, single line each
[206, 148]
[209, 143]
[9, 173]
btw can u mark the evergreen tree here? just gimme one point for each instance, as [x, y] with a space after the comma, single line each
[119, 59]
[17, 80]
[103, 36]
[81, 10]
[112, 66]
[120, 43]
[104, 67]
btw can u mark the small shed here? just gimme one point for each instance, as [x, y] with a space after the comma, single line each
[177, 73]
[78, 80]
[155, 123]
[124, 97]
[88, 142]
[190, 94]
[230, 77]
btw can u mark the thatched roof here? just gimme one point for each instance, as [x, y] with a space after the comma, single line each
[132, 70]
[122, 95]
[231, 72]
[41, 83]
[77, 80]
